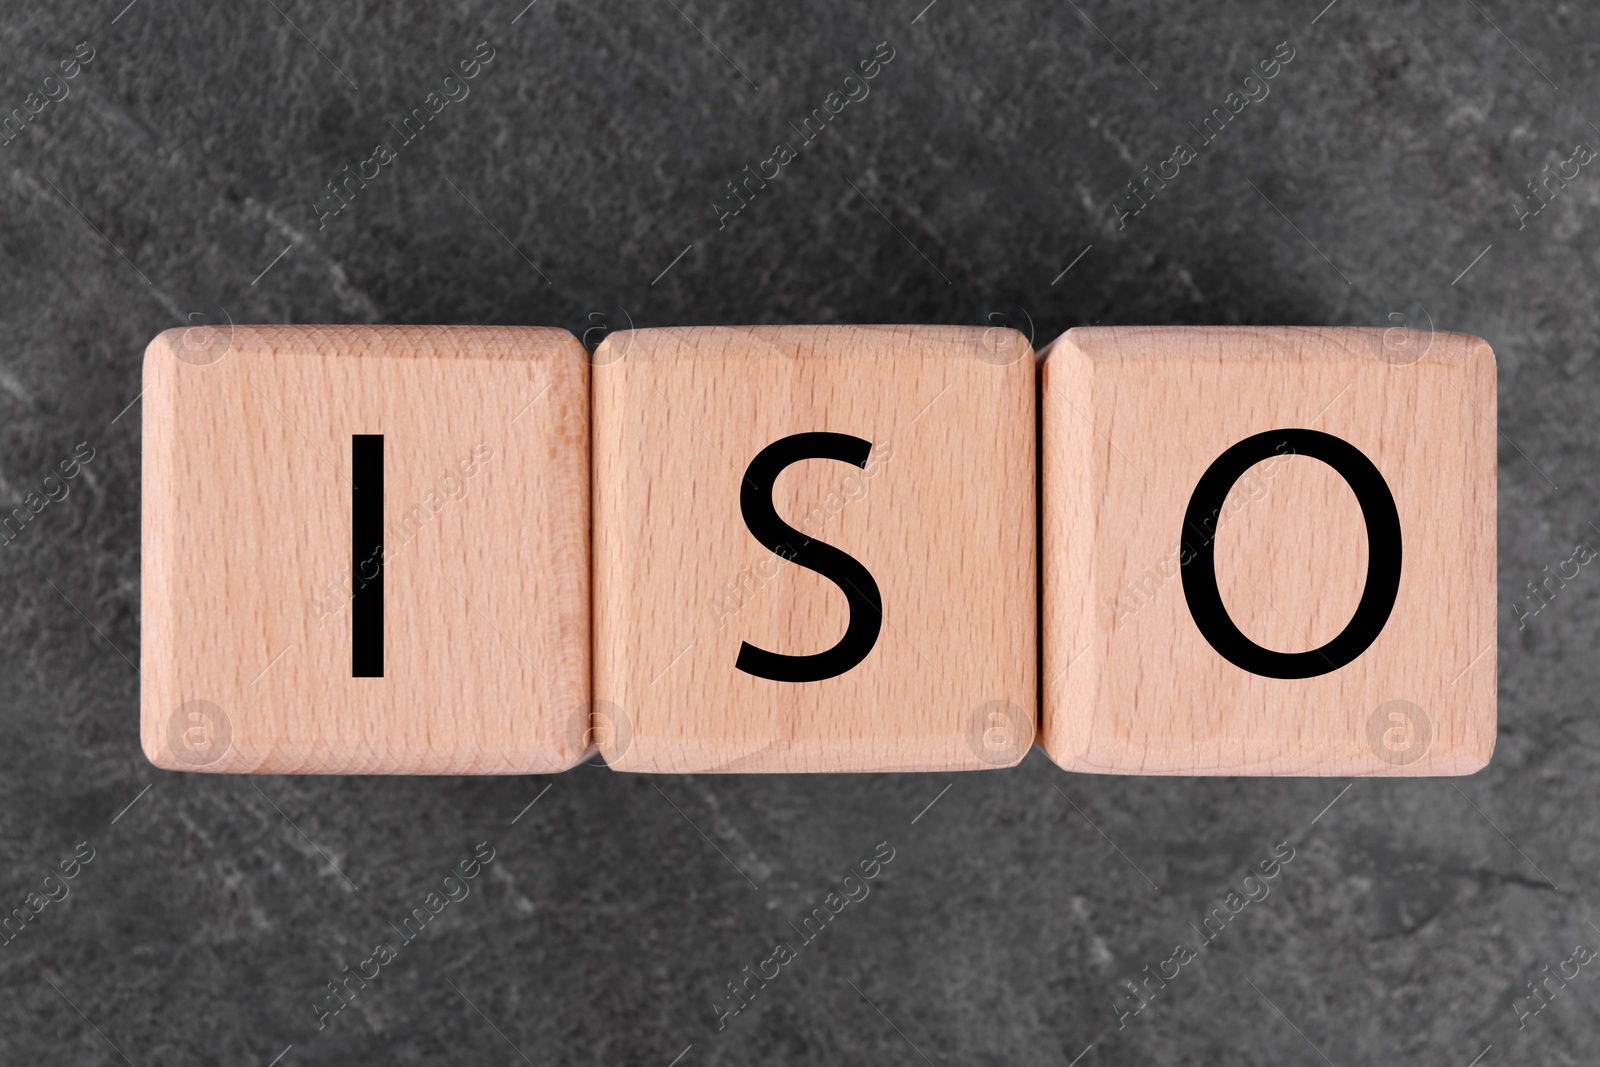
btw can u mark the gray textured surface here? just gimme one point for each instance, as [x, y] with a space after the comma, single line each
[1398, 141]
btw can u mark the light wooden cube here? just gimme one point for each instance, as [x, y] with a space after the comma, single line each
[273, 640]
[1311, 678]
[924, 506]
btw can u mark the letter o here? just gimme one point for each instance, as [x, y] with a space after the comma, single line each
[1383, 554]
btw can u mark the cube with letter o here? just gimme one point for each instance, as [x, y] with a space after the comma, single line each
[1268, 551]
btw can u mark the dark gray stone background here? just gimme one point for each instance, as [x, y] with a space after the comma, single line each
[1393, 149]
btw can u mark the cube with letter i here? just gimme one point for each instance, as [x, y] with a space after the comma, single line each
[366, 550]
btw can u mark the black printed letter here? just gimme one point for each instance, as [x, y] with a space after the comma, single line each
[866, 604]
[1383, 554]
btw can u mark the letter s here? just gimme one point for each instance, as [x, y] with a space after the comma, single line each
[860, 590]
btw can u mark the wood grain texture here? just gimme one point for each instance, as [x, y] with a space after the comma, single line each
[1131, 419]
[246, 654]
[942, 516]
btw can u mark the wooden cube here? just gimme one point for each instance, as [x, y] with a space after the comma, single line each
[366, 550]
[1268, 551]
[814, 548]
